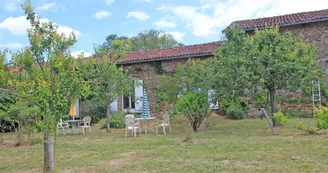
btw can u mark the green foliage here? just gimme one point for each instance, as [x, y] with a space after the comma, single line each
[291, 113]
[159, 98]
[235, 112]
[23, 118]
[153, 39]
[107, 82]
[282, 119]
[117, 120]
[259, 99]
[268, 60]
[94, 110]
[322, 117]
[225, 104]
[190, 76]
[144, 41]
[46, 77]
[194, 106]
[295, 100]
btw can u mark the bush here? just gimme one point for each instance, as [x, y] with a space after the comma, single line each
[284, 121]
[117, 120]
[322, 117]
[281, 118]
[295, 100]
[235, 112]
[94, 110]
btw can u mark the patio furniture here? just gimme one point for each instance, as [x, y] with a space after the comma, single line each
[131, 125]
[61, 126]
[146, 123]
[163, 123]
[85, 123]
[74, 126]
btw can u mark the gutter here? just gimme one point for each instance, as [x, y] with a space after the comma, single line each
[290, 24]
[164, 59]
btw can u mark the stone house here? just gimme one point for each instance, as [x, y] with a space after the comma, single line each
[312, 26]
[143, 66]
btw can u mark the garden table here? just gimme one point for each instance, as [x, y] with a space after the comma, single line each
[145, 123]
[74, 124]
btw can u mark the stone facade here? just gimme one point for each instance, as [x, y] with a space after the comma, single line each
[316, 33]
[149, 73]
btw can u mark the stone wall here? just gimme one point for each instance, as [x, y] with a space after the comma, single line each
[316, 33]
[148, 72]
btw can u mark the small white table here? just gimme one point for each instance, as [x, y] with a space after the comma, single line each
[74, 125]
[145, 126]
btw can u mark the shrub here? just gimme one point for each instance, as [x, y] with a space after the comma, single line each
[235, 112]
[295, 100]
[94, 110]
[322, 117]
[284, 121]
[281, 118]
[194, 105]
[225, 104]
[117, 120]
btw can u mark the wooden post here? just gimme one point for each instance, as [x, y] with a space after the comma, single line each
[269, 122]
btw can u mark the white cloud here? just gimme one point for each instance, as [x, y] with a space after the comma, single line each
[19, 25]
[164, 24]
[11, 46]
[211, 17]
[12, 5]
[101, 14]
[138, 15]
[46, 6]
[108, 2]
[177, 35]
[76, 54]
[16, 26]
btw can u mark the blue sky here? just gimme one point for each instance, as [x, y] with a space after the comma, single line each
[189, 21]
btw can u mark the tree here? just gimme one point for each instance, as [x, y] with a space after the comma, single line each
[144, 41]
[46, 76]
[268, 60]
[194, 105]
[108, 80]
[153, 39]
[108, 83]
[194, 75]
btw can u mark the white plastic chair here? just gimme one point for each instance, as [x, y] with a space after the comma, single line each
[85, 124]
[163, 123]
[131, 125]
[61, 126]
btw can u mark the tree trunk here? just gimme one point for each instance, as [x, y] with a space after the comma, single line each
[49, 163]
[194, 127]
[273, 104]
[108, 118]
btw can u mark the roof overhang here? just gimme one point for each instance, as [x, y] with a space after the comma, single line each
[168, 58]
[289, 24]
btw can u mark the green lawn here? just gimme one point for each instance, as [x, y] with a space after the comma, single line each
[227, 146]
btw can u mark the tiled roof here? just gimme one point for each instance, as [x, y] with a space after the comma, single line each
[289, 19]
[171, 53]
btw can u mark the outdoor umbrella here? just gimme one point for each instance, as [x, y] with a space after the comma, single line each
[145, 106]
[72, 111]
